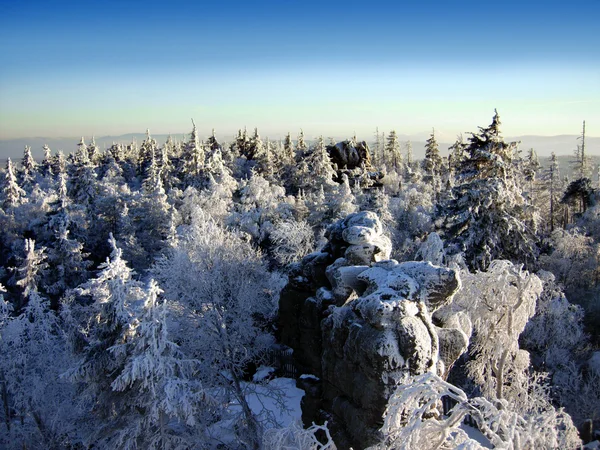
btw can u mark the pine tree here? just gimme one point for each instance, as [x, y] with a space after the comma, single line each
[487, 217]
[28, 168]
[47, 163]
[32, 268]
[193, 157]
[93, 152]
[408, 169]
[301, 146]
[60, 165]
[554, 186]
[34, 354]
[377, 150]
[263, 155]
[81, 155]
[432, 163]
[288, 150]
[163, 396]
[457, 155]
[581, 163]
[68, 264]
[148, 166]
[82, 177]
[117, 151]
[393, 157]
[316, 168]
[12, 194]
[531, 167]
[342, 201]
[113, 292]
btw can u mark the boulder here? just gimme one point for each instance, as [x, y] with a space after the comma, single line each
[370, 324]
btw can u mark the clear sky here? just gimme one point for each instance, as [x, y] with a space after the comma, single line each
[331, 67]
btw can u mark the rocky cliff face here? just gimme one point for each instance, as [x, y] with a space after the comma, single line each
[361, 324]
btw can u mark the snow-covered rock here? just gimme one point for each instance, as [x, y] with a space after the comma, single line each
[367, 326]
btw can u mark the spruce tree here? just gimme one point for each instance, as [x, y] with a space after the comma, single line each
[28, 168]
[163, 396]
[487, 217]
[393, 157]
[47, 162]
[113, 292]
[554, 186]
[12, 194]
[193, 157]
[432, 163]
[93, 152]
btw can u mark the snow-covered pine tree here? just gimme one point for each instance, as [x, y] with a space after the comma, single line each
[82, 177]
[60, 164]
[148, 165]
[487, 217]
[457, 154]
[94, 153]
[341, 201]
[31, 270]
[393, 157]
[163, 398]
[413, 421]
[47, 169]
[117, 150]
[192, 158]
[581, 161]
[39, 405]
[317, 168]
[12, 194]
[264, 159]
[432, 163]
[28, 169]
[165, 155]
[301, 146]
[531, 168]
[106, 322]
[67, 263]
[552, 188]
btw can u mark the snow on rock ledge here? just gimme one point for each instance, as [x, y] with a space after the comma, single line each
[367, 326]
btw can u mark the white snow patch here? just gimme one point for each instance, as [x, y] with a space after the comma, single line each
[262, 372]
[308, 376]
[263, 403]
[476, 435]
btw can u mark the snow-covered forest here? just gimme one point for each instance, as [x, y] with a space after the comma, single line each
[142, 290]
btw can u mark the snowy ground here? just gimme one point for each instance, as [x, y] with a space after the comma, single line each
[261, 402]
[476, 435]
[276, 403]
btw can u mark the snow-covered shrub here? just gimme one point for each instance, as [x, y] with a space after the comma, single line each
[499, 302]
[295, 437]
[573, 260]
[414, 421]
[292, 240]
[222, 297]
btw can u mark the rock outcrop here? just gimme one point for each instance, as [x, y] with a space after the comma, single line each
[366, 326]
[353, 159]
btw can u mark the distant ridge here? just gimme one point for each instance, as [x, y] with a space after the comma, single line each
[544, 145]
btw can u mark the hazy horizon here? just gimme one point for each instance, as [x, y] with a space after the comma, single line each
[332, 68]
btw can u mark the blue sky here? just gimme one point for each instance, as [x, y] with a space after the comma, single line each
[83, 68]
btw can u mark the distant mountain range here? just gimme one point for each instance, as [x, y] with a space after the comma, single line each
[544, 145]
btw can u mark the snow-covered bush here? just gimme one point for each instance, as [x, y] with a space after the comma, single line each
[499, 302]
[222, 297]
[295, 437]
[292, 240]
[414, 421]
